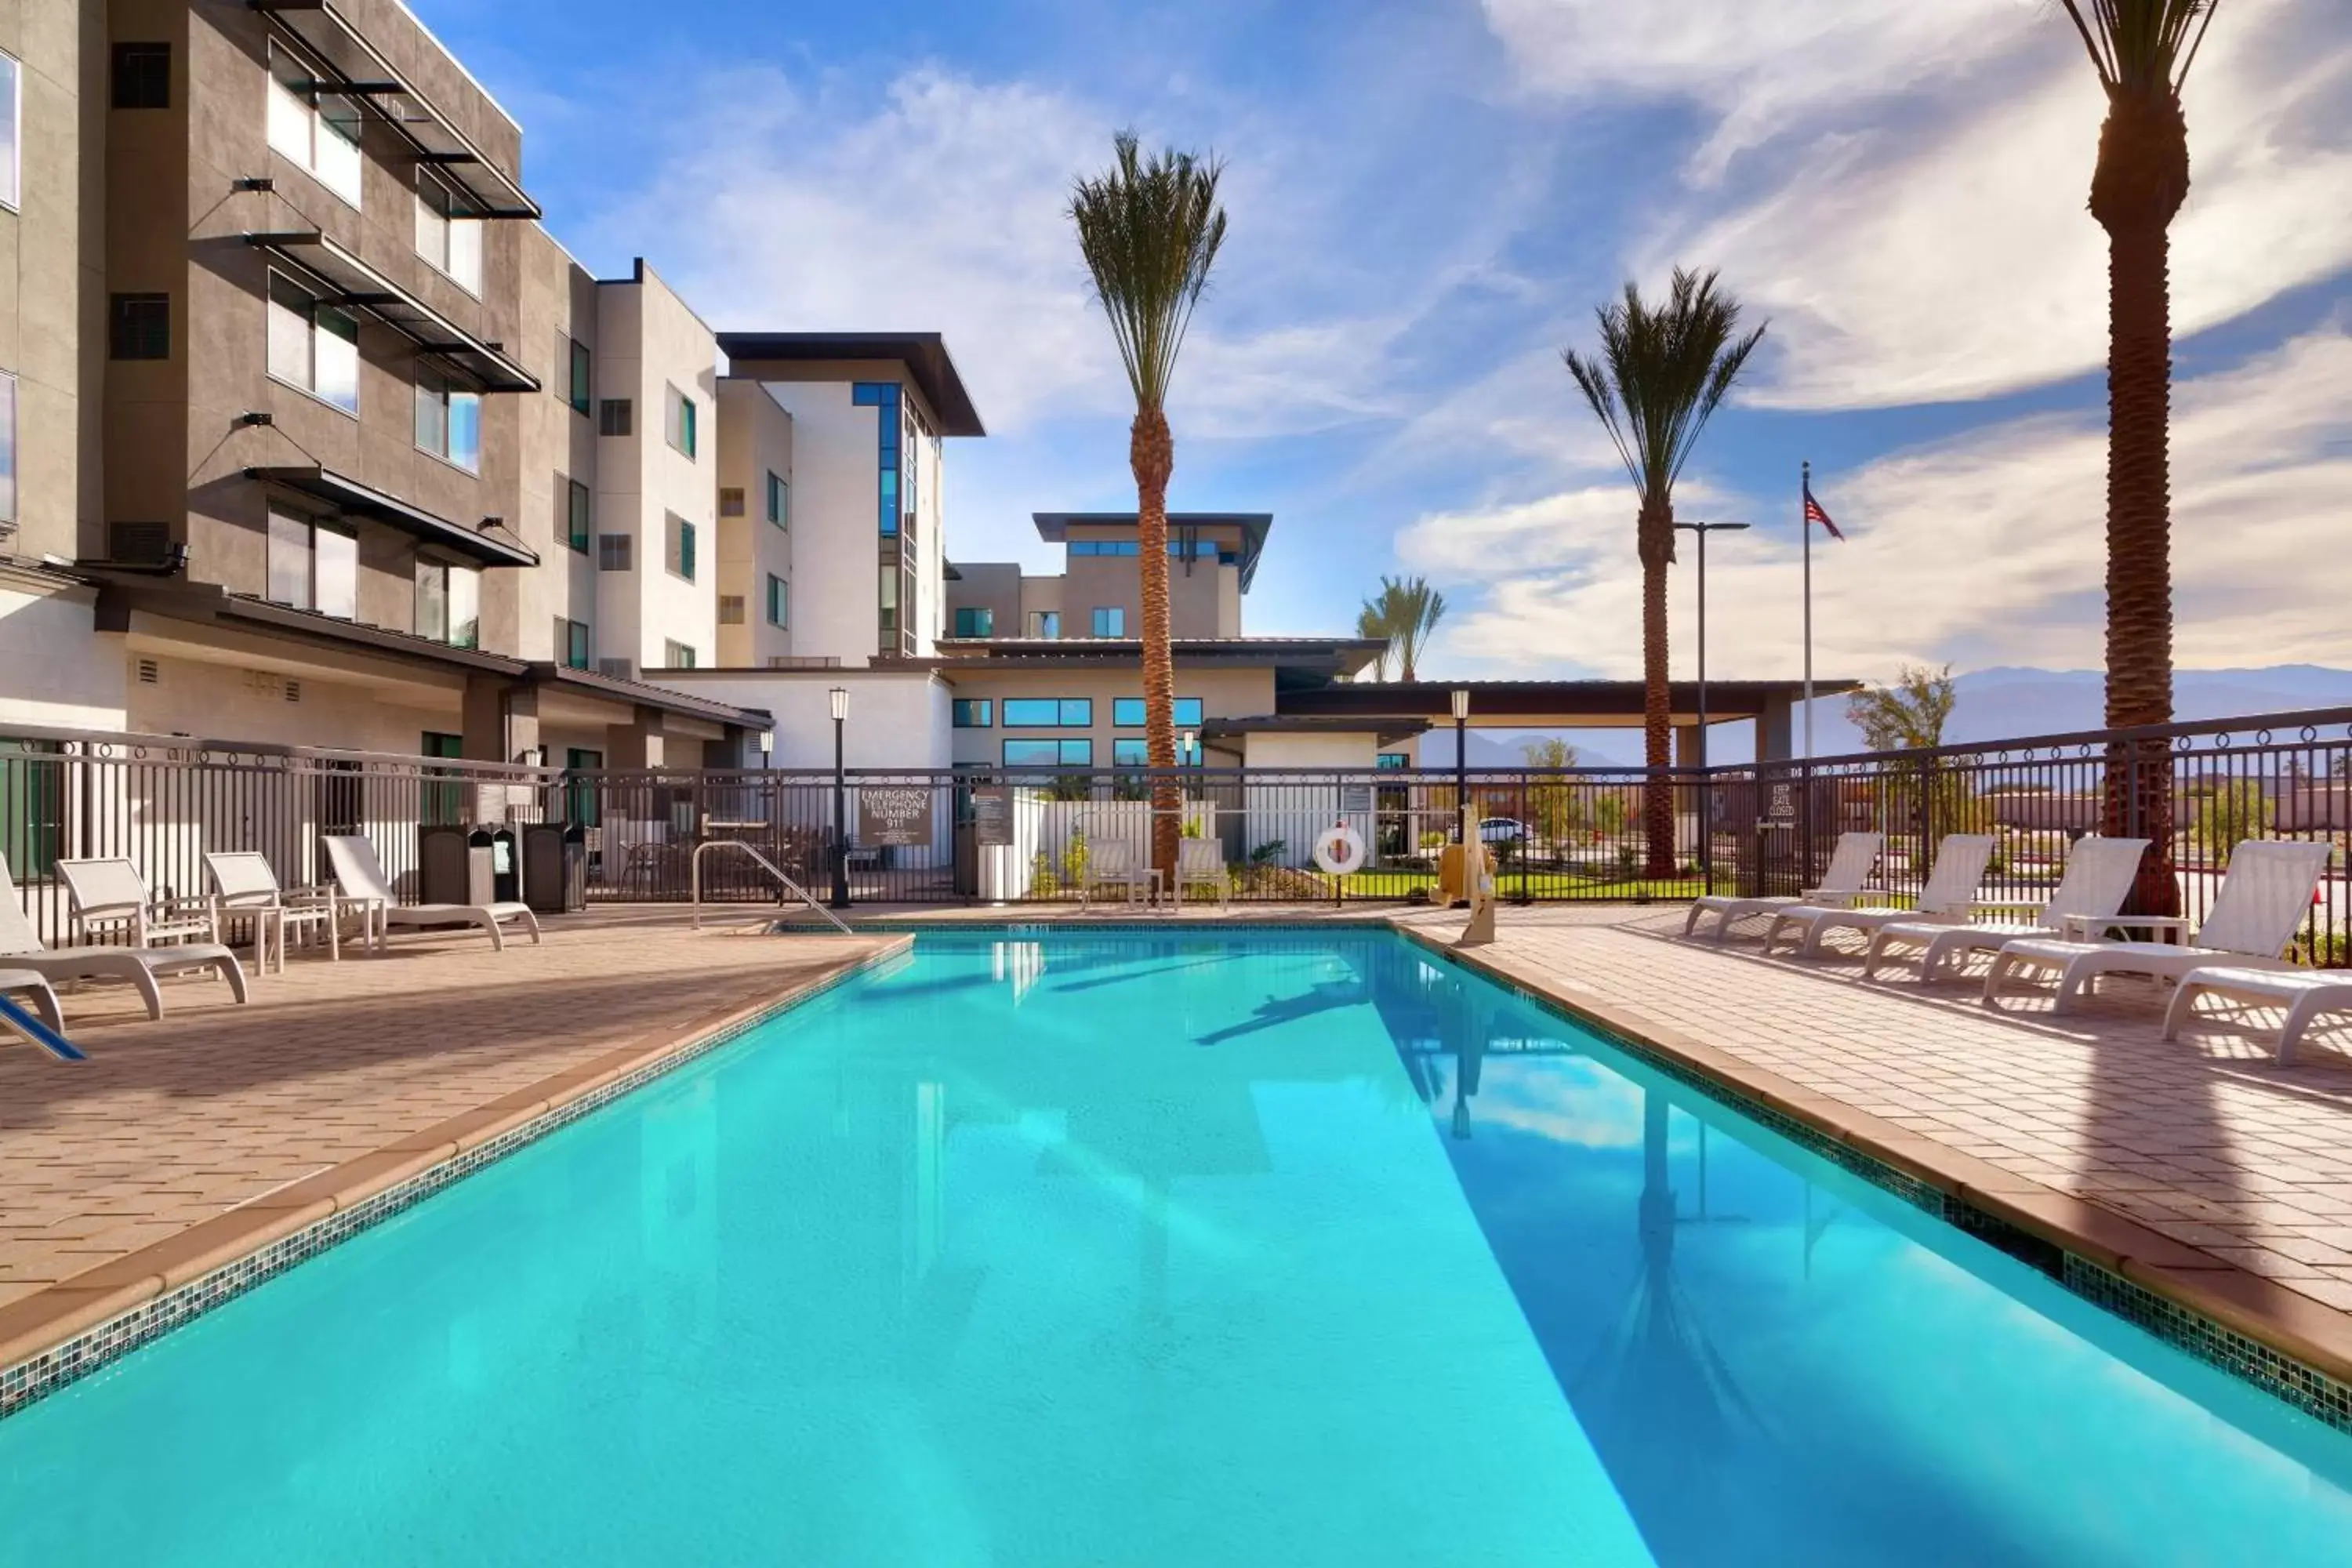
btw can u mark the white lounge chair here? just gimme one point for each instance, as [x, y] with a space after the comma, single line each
[244, 888]
[1849, 868]
[2264, 897]
[1201, 863]
[2304, 993]
[2098, 877]
[359, 876]
[21, 949]
[42, 996]
[1949, 897]
[107, 892]
[1115, 863]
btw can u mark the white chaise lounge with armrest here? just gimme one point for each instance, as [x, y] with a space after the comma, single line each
[359, 875]
[1201, 863]
[1949, 897]
[21, 948]
[2305, 994]
[2265, 895]
[2098, 877]
[1115, 863]
[28, 984]
[1849, 868]
[245, 887]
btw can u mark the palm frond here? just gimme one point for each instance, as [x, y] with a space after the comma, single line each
[1406, 611]
[1150, 230]
[1371, 622]
[1661, 373]
[2141, 45]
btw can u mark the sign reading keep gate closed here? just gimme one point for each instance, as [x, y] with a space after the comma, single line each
[896, 817]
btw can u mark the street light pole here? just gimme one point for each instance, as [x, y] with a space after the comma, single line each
[840, 697]
[1706, 786]
[1461, 763]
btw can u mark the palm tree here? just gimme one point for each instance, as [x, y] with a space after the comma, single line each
[1370, 622]
[1407, 610]
[2142, 50]
[1149, 230]
[1658, 378]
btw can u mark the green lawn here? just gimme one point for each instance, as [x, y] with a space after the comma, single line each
[1541, 884]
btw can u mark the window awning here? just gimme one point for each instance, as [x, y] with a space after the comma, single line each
[362, 71]
[351, 281]
[476, 543]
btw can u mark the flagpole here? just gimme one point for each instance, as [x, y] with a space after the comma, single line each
[1806, 524]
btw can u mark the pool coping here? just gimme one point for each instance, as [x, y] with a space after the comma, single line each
[72, 1327]
[2291, 1346]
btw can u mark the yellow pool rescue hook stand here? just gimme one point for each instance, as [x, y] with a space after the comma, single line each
[1481, 884]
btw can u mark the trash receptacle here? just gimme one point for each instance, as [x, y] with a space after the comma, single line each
[442, 851]
[555, 867]
[481, 868]
[506, 866]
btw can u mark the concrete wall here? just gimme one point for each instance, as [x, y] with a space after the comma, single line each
[556, 445]
[897, 717]
[755, 440]
[1203, 595]
[1224, 693]
[652, 342]
[992, 586]
[57, 671]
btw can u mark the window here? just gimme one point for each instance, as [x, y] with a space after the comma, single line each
[319, 131]
[580, 799]
[313, 346]
[576, 516]
[448, 602]
[780, 601]
[12, 131]
[441, 805]
[1127, 712]
[142, 76]
[730, 501]
[571, 643]
[449, 235]
[1134, 752]
[1045, 622]
[8, 451]
[1111, 621]
[615, 417]
[1049, 754]
[677, 555]
[449, 419]
[1391, 760]
[577, 386]
[678, 423]
[974, 713]
[613, 552]
[313, 567]
[975, 623]
[141, 326]
[678, 655]
[780, 503]
[889, 595]
[32, 806]
[1049, 713]
[731, 609]
[1201, 549]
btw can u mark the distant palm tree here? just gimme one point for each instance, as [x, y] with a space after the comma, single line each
[2142, 50]
[1150, 230]
[1370, 622]
[1407, 610]
[1658, 378]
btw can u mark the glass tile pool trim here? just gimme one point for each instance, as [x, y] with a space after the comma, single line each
[2273, 1371]
[87, 1352]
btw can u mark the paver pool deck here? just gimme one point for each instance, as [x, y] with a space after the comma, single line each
[2201, 1168]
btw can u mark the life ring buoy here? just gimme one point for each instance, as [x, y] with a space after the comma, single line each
[1339, 850]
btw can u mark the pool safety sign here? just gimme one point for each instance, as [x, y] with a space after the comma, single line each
[894, 818]
[992, 817]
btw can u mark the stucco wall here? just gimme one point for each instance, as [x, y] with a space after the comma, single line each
[898, 718]
[755, 439]
[1223, 692]
[59, 671]
[652, 342]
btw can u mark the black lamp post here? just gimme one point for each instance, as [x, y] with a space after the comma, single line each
[840, 696]
[1706, 787]
[1461, 761]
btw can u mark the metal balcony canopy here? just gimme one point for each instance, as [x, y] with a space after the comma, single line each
[347, 495]
[351, 281]
[924, 354]
[362, 71]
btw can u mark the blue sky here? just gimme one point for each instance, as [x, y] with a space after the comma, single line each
[1427, 199]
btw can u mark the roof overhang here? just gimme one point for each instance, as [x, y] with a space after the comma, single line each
[1550, 704]
[349, 496]
[755, 356]
[361, 71]
[643, 694]
[1053, 527]
[351, 281]
[1321, 659]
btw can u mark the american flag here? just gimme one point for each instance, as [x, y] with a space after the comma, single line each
[1814, 513]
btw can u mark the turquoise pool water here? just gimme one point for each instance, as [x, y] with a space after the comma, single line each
[1292, 1249]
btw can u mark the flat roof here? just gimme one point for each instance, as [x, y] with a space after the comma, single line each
[1053, 527]
[1555, 704]
[925, 355]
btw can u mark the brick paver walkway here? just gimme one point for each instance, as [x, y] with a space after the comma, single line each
[171, 1123]
[2207, 1141]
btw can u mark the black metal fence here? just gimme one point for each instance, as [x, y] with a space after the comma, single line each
[1023, 835]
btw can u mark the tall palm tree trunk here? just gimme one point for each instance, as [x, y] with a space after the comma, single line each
[1151, 452]
[2141, 179]
[1656, 538]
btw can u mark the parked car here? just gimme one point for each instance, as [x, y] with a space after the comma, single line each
[1502, 830]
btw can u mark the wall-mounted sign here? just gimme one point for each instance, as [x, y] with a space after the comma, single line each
[1784, 803]
[893, 817]
[992, 817]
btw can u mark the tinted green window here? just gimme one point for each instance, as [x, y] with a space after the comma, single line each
[1129, 753]
[1032, 753]
[975, 623]
[974, 713]
[1127, 712]
[32, 806]
[1111, 621]
[1048, 712]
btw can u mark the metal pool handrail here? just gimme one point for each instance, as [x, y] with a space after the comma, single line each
[778, 872]
[40, 1034]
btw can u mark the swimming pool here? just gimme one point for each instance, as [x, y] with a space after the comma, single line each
[1092, 1247]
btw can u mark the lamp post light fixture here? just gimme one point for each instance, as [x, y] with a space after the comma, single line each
[1461, 762]
[840, 699]
[1185, 755]
[1705, 789]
